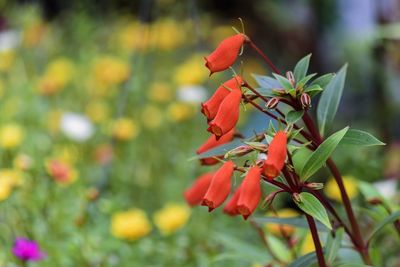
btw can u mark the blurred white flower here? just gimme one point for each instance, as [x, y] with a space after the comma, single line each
[262, 156]
[9, 40]
[387, 188]
[76, 126]
[192, 94]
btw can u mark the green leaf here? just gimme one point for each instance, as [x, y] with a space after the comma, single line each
[323, 80]
[360, 138]
[333, 245]
[294, 115]
[283, 81]
[299, 222]
[300, 158]
[305, 260]
[262, 91]
[350, 264]
[301, 68]
[390, 219]
[219, 150]
[266, 81]
[368, 190]
[303, 81]
[329, 101]
[312, 90]
[311, 205]
[321, 154]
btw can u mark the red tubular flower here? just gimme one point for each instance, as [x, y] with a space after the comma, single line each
[194, 194]
[250, 192]
[225, 54]
[231, 207]
[210, 107]
[220, 186]
[276, 156]
[227, 115]
[211, 143]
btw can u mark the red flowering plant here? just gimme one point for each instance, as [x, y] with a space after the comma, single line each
[283, 158]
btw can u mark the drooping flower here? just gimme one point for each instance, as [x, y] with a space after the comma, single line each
[171, 218]
[250, 192]
[227, 115]
[131, 225]
[211, 143]
[27, 250]
[194, 194]
[220, 186]
[231, 207]
[211, 106]
[225, 54]
[276, 155]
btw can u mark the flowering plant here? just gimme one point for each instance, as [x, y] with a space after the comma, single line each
[284, 157]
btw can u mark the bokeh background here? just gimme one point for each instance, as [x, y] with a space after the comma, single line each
[99, 114]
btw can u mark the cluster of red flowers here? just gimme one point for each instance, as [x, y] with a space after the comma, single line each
[222, 113]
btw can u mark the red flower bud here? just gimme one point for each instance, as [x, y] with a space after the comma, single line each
[210, 107]
[195, 193]
[211, 143]
[276, 156]
[250, 192]
[231, 207]
[227, 115]
[225, 54]
[220, 186]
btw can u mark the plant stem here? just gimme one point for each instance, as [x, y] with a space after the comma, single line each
[269, 62]
[317, 243]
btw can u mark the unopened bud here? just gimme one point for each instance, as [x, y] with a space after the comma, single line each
[315, 186]
[296, 197]
[272, 103]
[239, 151]
[290, 77]
[375, 201]
[279, 91]
[305, 100]
[269, 198]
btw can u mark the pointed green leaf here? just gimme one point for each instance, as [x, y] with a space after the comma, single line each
[300, 158]
[323, 80]
[360, 138]
[333, 245]
[321, 154]
[303, 81]
[390, 219]
[284, 82]
[266, 81]
[329, 101]
[311, 205]
[301, 68]
[299, 222]
[305, 260]
[312, 90]
[293, 116]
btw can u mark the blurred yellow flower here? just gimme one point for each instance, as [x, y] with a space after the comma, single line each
[160, 92]
[11, 135]
[131, 225]
[58, 74]
[152, 117]
[9, 178]
[167, 34]
[177, 112]
[191, 72]
[125, 129]
[109, 71]
[22, 162]
[6, 59]
[332, 190]
[61, 171]
[134, 36]
[98, 111]
[277, 229]
[171, 218]
[307, 244]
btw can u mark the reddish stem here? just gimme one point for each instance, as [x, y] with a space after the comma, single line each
[317, 243]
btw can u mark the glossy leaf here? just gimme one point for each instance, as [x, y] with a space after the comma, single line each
[360, 138]
[323, 80]
[311, 205]
[301, 68]
[284, 82]
[305, 80]
[294, 115]
[318, 158]
[312, 90]
[329, 101]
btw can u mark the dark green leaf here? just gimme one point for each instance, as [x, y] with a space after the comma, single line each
[360, 138]
[300, 158]
[323, 80]
[301, 68]
[321, 154]
[283, 81]
[266, 81]
[312, 90]
[305, 260]
[293, 116]
[311, 205]
[390, 219]
[333, 245]
[293, 221]
[329, 101]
